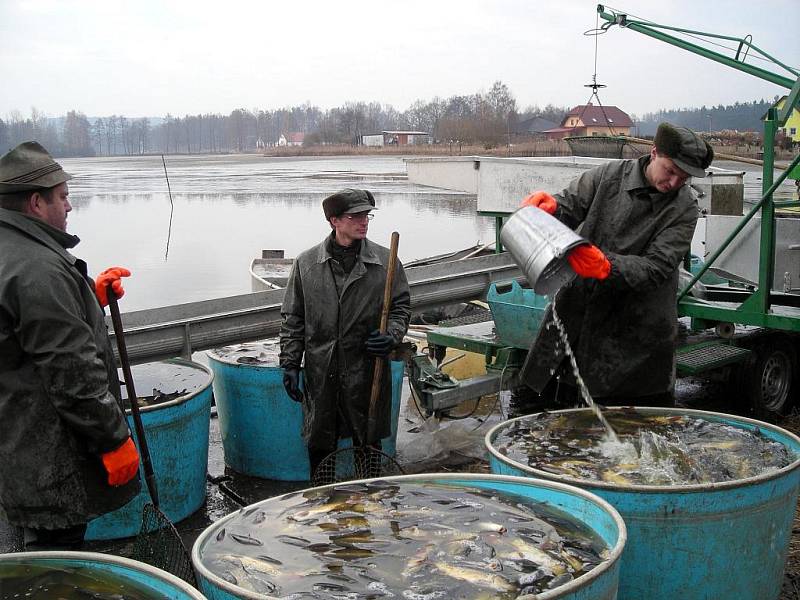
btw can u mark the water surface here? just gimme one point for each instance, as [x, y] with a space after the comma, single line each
[228, 208]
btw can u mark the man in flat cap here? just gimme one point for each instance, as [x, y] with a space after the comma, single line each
[67, 453]
[620, 313]
[331, 317]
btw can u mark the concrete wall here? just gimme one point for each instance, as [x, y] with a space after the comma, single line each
[501, 183]
[504, 182]
[450, 172]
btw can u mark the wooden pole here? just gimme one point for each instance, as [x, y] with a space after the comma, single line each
[387, 302]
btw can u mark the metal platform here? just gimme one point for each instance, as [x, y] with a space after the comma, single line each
[691, 360]
[502, 365]
[480, 337]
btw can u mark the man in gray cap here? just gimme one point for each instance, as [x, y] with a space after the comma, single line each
[331, 316]
[67, 454]
[620, 313]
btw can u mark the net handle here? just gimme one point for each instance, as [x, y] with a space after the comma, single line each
[378, 370]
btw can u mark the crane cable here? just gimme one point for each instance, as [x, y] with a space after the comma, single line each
[596, 32]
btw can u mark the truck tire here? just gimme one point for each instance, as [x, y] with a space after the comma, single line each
[773, 378]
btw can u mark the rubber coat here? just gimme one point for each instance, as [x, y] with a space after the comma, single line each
[330, 329]
[622, 329]
[59, 391]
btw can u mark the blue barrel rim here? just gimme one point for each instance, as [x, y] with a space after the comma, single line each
[613, 560]
[670, 488]
[111, 559]
[180, 399]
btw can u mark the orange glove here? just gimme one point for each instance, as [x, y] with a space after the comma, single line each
[121, 464]
[541, 200]
[111, 275]
[589, 261]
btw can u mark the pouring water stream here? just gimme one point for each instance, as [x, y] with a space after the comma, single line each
[587, 397]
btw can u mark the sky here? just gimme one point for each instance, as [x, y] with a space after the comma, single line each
[149, 58]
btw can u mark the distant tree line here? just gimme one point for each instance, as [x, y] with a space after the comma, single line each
[741, 116]
[485, 118]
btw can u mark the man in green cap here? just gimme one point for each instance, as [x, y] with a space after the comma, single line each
[331, 316]
[620, 313]
[67, 453]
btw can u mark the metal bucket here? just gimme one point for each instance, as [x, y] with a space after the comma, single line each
[177, 435]
[598, 584]
[539, 244]
[719, 540]
[158, 584]
[261, 426]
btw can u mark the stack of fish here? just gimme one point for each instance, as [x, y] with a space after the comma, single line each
[651, 450]
[409, 539]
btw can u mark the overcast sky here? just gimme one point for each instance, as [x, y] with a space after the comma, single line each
[148, 57]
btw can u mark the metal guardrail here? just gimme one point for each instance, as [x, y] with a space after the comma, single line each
[179, 330]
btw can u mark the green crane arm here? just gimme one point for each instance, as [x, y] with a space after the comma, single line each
[651, 29]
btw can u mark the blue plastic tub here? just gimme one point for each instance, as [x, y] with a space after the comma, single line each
[261, 426]
[517, 313]
[177, 436]
[599, 584]
[709, 541]
[160, 584]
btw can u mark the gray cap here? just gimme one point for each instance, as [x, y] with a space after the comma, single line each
[688, 151]
[29, 167]
[348, 202]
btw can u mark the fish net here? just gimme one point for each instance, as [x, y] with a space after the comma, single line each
[159, 544]
[347, 464]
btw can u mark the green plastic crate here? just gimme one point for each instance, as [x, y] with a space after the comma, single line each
[517, 313]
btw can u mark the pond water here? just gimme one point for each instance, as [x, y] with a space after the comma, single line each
[228, 208]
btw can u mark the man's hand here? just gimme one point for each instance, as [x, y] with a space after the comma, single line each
[111, 276]
[121, 464]
[589, 261]
[541, 200]
[380, 344]
[291, 381]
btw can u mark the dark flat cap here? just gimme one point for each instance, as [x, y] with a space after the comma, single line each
[688, 151]
[348, 202]
[29, 167]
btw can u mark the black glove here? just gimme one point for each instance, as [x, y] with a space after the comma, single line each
[380, 344]
[291, 381]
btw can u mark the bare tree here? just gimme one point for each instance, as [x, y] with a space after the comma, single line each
[77, 132]
[3, 136]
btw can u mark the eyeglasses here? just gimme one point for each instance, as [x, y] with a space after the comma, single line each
[360, 217]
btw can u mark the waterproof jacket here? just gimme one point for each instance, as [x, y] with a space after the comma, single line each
[330, 328]
[59, 391]
[622, 329]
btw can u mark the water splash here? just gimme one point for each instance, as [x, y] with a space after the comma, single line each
[587, 397]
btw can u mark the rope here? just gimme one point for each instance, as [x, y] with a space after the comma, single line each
[594, 85]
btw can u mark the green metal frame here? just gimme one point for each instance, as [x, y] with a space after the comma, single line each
[499, 217]
[757, 308]
[497, 355]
